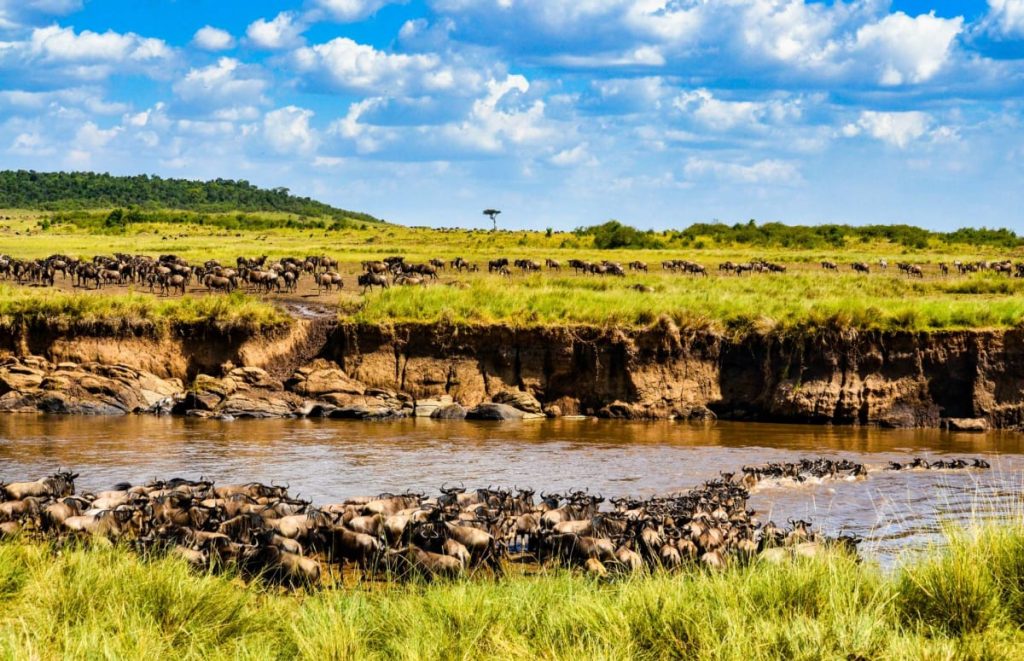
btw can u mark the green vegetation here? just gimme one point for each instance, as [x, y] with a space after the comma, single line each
[963, 601]
[133, 312]
[613, 234]
[800, 301]
[120, 220]
[805, 298]
[778, 235]
[88, 190]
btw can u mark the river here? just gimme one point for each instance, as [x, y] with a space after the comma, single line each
[329, 460]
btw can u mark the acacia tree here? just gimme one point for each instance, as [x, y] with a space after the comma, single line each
[493, 213]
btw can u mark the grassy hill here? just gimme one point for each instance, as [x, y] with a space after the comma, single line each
[78, 191]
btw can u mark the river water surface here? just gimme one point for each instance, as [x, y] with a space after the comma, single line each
[329, 460]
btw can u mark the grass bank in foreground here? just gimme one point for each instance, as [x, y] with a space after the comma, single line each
[965, 601]
[134, 311]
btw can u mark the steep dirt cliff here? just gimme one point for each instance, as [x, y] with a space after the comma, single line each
[969, 378]
[964, 379]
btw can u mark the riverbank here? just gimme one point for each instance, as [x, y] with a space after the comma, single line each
[318, 366]
[964, 601]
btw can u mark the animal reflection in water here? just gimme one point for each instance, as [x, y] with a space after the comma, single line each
[261, 530]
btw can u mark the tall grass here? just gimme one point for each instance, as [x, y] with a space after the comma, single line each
[134, 311]
[795, 301]
[961, 601]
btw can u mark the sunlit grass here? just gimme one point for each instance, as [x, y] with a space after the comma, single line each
[805, 298]
[133, 311]
[960, 601]
[801, 301]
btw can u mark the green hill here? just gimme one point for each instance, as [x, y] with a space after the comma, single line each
[68, 191]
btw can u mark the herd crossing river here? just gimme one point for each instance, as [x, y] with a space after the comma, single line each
[324, 461]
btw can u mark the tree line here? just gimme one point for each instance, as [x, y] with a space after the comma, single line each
[69, 191]
[614, 234]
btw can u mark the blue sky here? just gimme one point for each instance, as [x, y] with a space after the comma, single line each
[562, 113]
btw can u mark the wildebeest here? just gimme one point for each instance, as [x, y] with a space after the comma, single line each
[371, 280]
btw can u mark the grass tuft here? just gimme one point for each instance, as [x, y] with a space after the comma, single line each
[960, 601]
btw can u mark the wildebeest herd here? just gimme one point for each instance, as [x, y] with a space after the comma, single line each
[170, 274]
[1005, 267]
[262, 530]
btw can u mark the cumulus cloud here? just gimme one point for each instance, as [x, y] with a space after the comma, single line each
[31, 144]
[490, 126]
[895, 128]
[287, 130]
[57, 44]
[575, 156]
[52, 54]
[1006, 17]
[347, 11]
[16, 13]
[222, 83]
[344, 64]
[909, 50]
[284, 31]
[213, 39]
[367, 138]
[723, 115]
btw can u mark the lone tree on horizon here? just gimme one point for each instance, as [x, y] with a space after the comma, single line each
[493, 213]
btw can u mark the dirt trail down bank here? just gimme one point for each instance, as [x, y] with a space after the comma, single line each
[967, 380]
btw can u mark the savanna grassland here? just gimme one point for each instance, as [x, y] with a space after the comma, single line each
[964, 600]
[803, 298]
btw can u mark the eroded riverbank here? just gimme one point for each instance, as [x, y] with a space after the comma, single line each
[965, 380]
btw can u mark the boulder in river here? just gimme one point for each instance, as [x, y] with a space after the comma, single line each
[493, 411]
[523, 401]
[449, 412]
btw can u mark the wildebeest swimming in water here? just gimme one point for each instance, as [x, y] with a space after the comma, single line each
[263, 530]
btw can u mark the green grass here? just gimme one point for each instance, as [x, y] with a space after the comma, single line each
[764, 304]
[133, 312]
[960, 601]
[804, 299]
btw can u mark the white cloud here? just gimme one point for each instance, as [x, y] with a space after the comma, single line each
[1007, 17]
[347, 11]
[368, 138]
[287, 130]
[348, 65]
[57, 44]
[85, 98]
[284, 31]
[909, 50]
[15, 13]
[213, 39]
[646, 56]
[721, 115]
[53, 54]
[578, 155]
[895, 128]
[31, 144]
[768, 171]
[490, 127]
[91, 137]
[221, 83]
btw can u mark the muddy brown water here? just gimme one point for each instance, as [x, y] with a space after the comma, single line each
[329, 460]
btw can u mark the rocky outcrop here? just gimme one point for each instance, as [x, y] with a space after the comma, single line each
[33, 384]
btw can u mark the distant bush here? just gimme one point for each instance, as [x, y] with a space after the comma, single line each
[614, 234]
